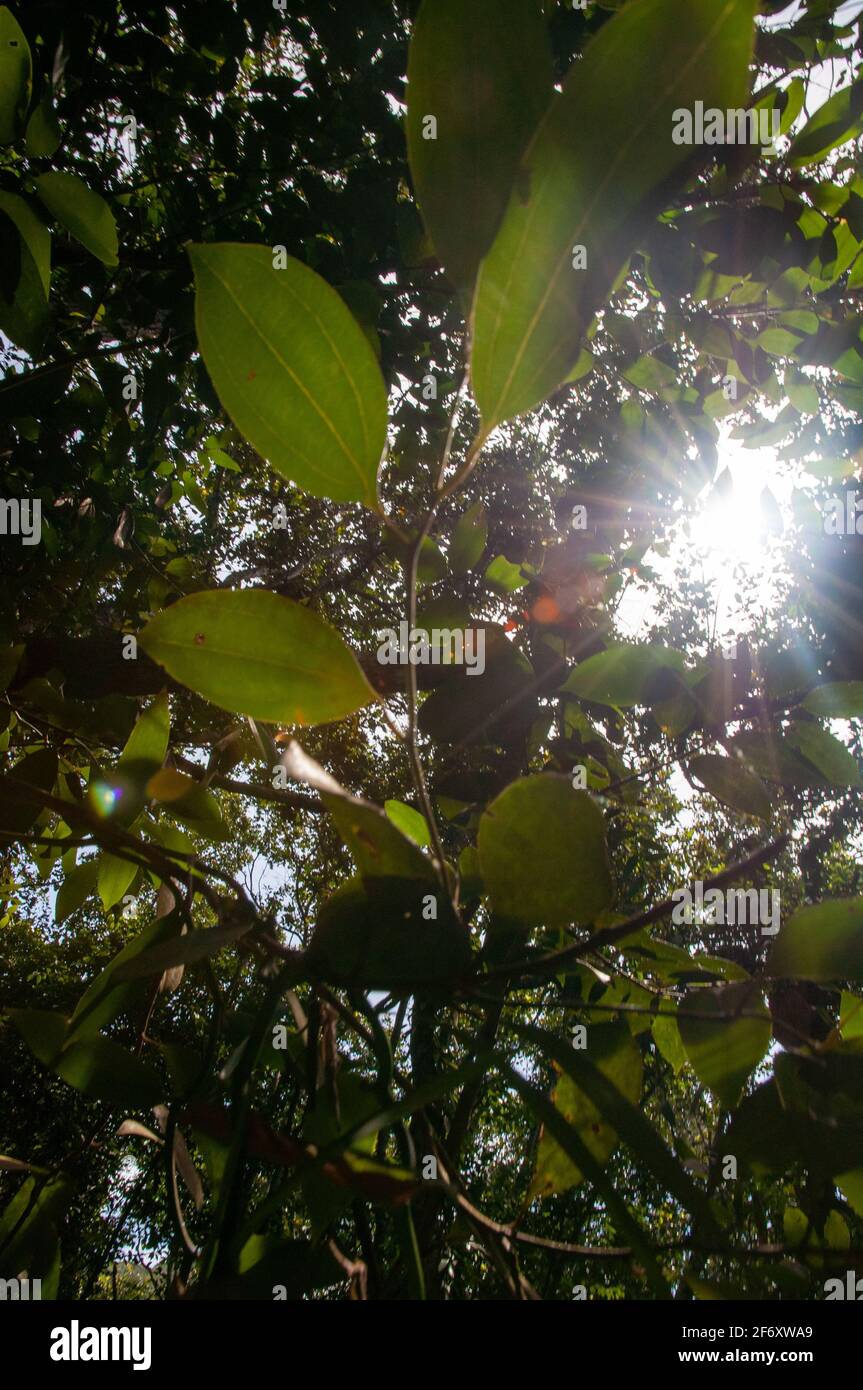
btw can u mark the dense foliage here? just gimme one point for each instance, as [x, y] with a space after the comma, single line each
[323, 972]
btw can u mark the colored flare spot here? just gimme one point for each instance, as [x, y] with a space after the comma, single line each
[105, 798]
[545, 610]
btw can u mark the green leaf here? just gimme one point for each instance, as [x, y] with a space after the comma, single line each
[666, 1035]
[502, 574]
[83, 213]
[24, 319]
[188, 802]
[732, 784]
[649, 374]
[591, 177]
[43, 1030]
[115, 876]
[43, 131]
[16, 75]
[77, 886]
[468, 540]
[104, 1071]
[851, 1015]
[382, 936]
[543, 853]
[832, 759]
[292, 368]
[147, 744]
[772, 757]
[844, 700]
[606, 1079]
[615, 1056]
[29, 1238]
[584, 363]
[622, 675]
[182, 950]
[267, 1263]
[256, 653]
[378, 847]
[851, 1185]
[498, 705]
[580, 1155]
[803, 395]
[779, 342]
[109, 995]
[481, 69]
[824, 942]
[409, 822]
[724, 1051]
[840, 118]
[769, 1137]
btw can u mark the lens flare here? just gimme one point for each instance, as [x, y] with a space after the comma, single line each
[105, 798]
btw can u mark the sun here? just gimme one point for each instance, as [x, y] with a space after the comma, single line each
[731, 542]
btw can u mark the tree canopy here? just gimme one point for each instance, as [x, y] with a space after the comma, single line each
[430, 807]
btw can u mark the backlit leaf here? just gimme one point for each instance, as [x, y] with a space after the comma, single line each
[543, 853]
[16, 72]
[81, 211]
[481, 70]
[723, 1046]
[590, 178]
[292, 368]
[259, 654]
[823, 942]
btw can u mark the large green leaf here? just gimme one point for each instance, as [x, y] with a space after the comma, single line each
[497, 706]
[723, 1047]
[622, 675]
[543, 853]
[844, 700]
[114, 877]
[767, 1136]
[259, 654]
[110, 994]
[469, 538]
[77, 886]
[380, 846]
[481, 69]
[184, 950]
[82, 212]
[606, 1078]
[147, 744]
[824, 942]
[595, 170]
[614, 1054]
[188, 802]
[381, 935]
[772, 756]
[24, 317]
[838, 119]
[104, 1071]
[16, 74]
[292, 368]
[580, 1155]
[732, 784]
[832, 759]
[43, 132]
[409, 822]
[29, 1238]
